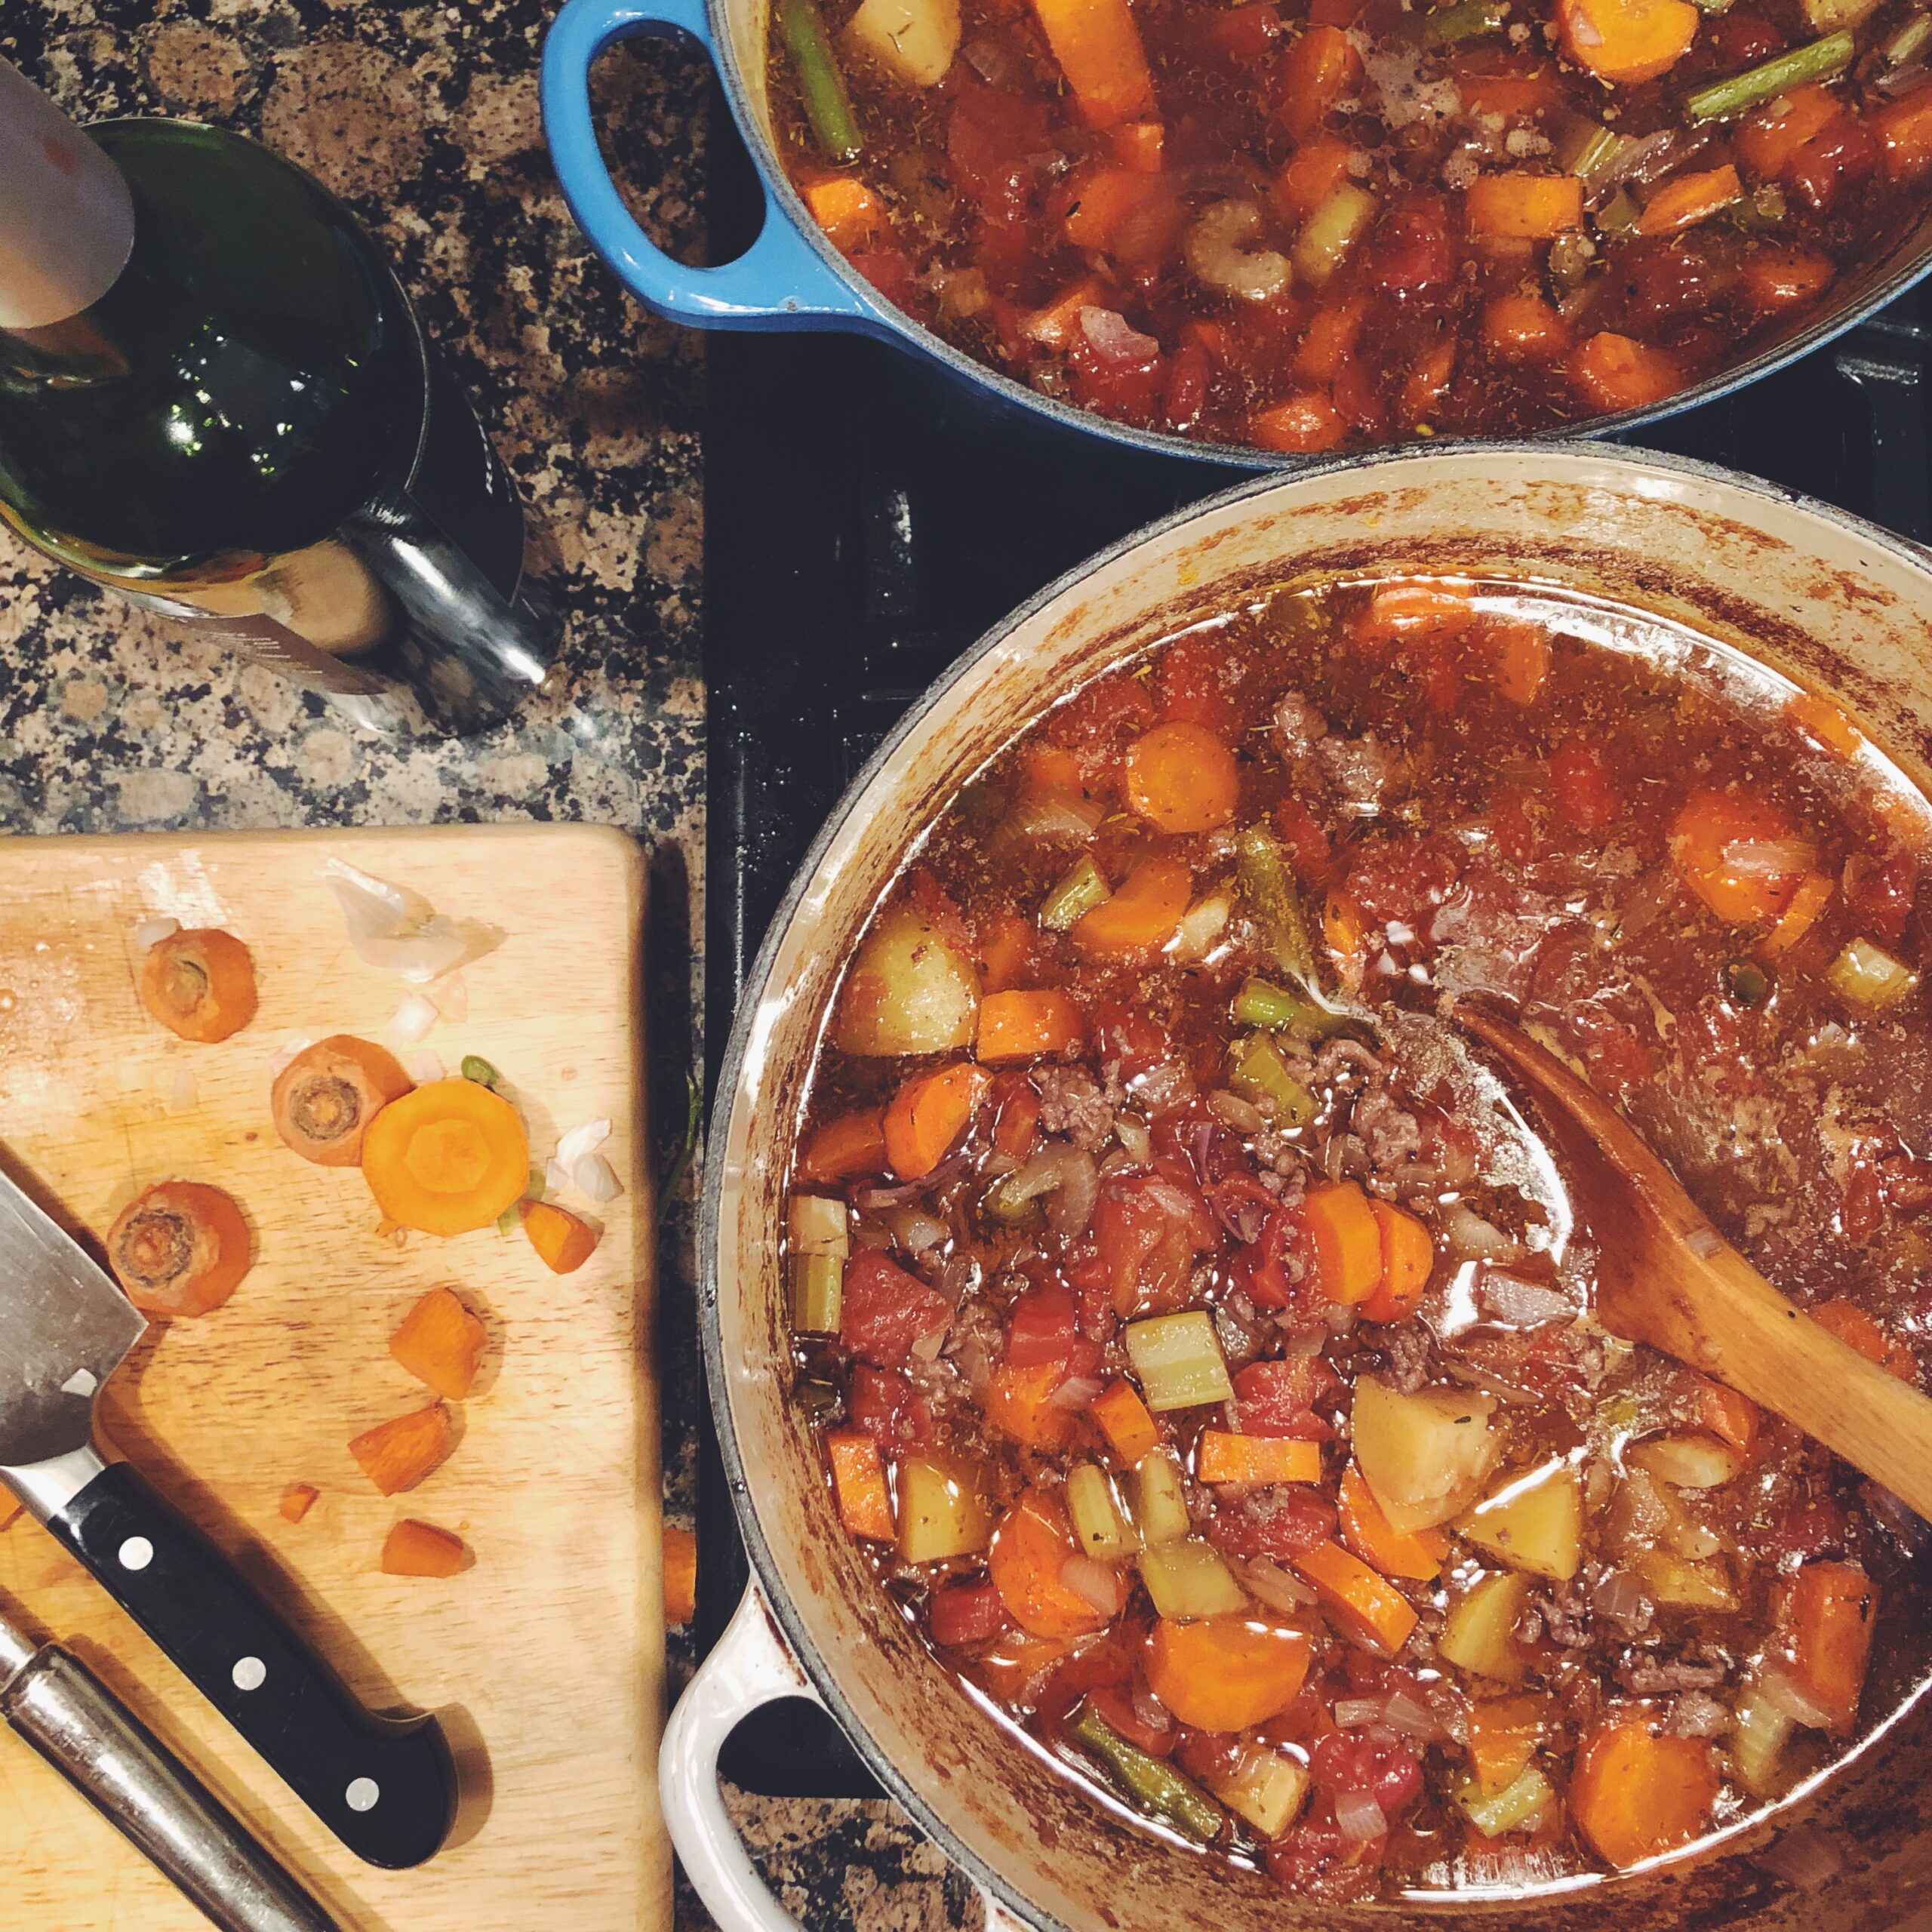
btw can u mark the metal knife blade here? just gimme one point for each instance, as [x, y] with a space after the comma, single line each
[65, 1327]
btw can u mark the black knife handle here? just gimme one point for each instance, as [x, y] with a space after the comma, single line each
[386, 1786]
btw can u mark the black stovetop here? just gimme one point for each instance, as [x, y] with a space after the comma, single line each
[862, 528]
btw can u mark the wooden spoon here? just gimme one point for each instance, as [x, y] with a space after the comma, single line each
[1665, 1276]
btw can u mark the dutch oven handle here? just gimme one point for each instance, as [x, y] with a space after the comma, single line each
[781, 281]
[749, 1667]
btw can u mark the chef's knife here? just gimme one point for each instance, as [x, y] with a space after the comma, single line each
[386, 1786]
[145, 1791]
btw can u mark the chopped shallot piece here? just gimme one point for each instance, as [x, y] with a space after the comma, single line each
[412, 1019]
[398, 930]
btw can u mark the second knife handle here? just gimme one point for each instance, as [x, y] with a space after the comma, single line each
[386, 1786]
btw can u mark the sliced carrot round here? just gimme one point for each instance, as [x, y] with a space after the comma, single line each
[1740, 855]
[1635, 1796]
[1627, 41]
[1616, 372]
[1408, 1254]
[179, 1248]
[1141, 917]
[199, 984]
[324, 1100]
[1225, 1673]
[1029, 1549]
[447, 1158]
[1181, 778]
[1347, 1240]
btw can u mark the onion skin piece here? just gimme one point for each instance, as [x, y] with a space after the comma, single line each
[180, 1248]
[199, 982]
[324, 1100]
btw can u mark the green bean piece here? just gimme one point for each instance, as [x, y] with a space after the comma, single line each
[1257, 1072]
[1269, 888]
[1154, 1786]
[828, 107]
[1258, 1004]
[1909, 42]
[1075, 896]
[1817, 60]
[1467, 19]
[476, 1068]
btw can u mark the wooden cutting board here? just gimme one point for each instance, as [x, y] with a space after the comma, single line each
[546, 1658]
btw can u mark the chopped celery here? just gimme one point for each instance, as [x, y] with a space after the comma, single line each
[821, 85]
[1328, 235]
[1259, 1005]
[1177, 1360]
[818, 1226]
[1817, 60]
[818, 1292]
[1263, 1787]
[1153, 1785]
[1188, 1579]
[1257, 1072]
[1596, 153]
[1098, 1522]
[1269, 888]
[1467, 19]
[1758, 1744]
[941, 1512]
[1522, 1806]
[475, 1067]
[1827, 16]
[1912, 40]
[1075, 896]
[1160, 1502]
[1868, 976]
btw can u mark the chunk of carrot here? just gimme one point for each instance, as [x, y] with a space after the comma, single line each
[441, 1343]
[1813, 896]
[1615, 372]
[1722, 1411]
[1740, 854]
[1098, 47]
[1028, 1025]
[850, 211]
[1830, 1612]
[858, 1485]
[1408, 1254]
[1776, 279]
[1328, 342]
[1428, 380]
[1140, 145]
[1221, 1456]
[1635, 1795]
[297, 1499]
[843, 1148]
[1180, 777]
[1522, 661]
[1347, 1241]
[1687, 199]
[1020, 1403]
[1321, 67]
[398, 1454]
[1030, 1546]
[1364, 1608]
[1050, 768]
[563, 1242]
[1107, 198]
[1625, 41]
[1509, 96]
[1141, 917]
[1304, 422]
[412, 1549]
[929, 1113]
[1904, 127]
[1344, 931]
[1124, 1421]
[1225, 1674]
[1372, 1537]
[1524, 328]
[1006, 954]
[680, 1576]
[1767, 140]
[1825, 724]
[1504, 1733]
[1857, 1330]
[1313, 173]
[1520, 207]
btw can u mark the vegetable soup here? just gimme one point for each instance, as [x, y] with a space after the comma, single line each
[1309, 224]
[1218, 1392]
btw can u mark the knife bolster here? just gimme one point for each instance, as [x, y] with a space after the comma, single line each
[47, 1488]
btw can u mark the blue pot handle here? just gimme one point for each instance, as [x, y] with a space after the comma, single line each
[780, 282]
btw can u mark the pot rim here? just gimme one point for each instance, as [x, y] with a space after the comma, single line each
[766, 1575]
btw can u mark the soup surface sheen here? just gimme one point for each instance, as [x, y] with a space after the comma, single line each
[1308, 224]
[1215, 1388]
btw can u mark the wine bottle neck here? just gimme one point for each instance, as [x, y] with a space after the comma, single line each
[66, 217]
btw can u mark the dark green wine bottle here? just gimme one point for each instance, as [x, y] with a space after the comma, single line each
[216, 399]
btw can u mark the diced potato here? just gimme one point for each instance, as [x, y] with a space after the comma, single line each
[942, 1512]
[1099, 1525]
[1868, 976]
[913, 40]
[818, 1226]
[1525, 1805]
[1480, 1635]
[1693, 1461]
[1533, 1522]
[1331, 231]
[1424, 1457]
[1647, 1515]
[1188, 1579]
[1178, 1361]
[1684, 1586]
[1263, 1787]
[908, 991]
[1757, 1747]
[1160, 1500]
[1201, 928]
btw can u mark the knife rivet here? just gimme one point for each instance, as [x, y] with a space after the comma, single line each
[250, 1674]
[137, 1553]
[362, 1795]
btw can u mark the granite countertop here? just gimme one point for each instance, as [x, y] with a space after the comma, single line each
[425, 118]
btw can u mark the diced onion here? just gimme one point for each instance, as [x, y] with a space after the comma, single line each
[1077, 1393]
[1053, 815]
[424, 1066]
[1360, 1818]
[1769, 858]
[1471, 1236]
[398, 930]
[1405, 1712]
[151, 932]
[1523, 1304]
[1097, 1583]
[1352, 1713]
[452, 999]
[916, 1232]
[1071, 1207]
[1114, 339]
[1149, 1709]
[583, 1167]
[1132, 1135]
[1278, 1589]
[1621, 1598]
[412, 1019]
[1242, 1116]
[1782, 1689]
[279, 1060]
[182, 1091]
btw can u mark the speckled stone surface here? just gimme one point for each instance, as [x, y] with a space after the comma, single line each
[425, 118]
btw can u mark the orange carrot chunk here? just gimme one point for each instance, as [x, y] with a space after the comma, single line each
[447, 1158]
[1321, 67]
[1304, 422]
[1376, 1541]
[1225, 1673]
[1524, 207]
[843, 1148]
[1522, 661]
[1740, 854]
[1824, 724]
[1347, 1239]
[1635, 1796]
[297, 1499]
[680, 1576]
[1504, 1733]
[1141, 917]
[1904, 127]
[1020, 1403]
[1098, 47]
[1181, 778]
[1831, 1611]
[562, 1241]
[858, 1482]
[1030, 1546]
[1769, 138]
[179, 1248]
[848, 210]
[324, 1100]
[1627, 41]
[1408, 1254]
[1524, 328]
[441, 1343]
[930, 1113]
[1364, 1607]
[1616, 372]
[1221, 1456]
[1124, 1421]
[1814, 894]
[1689, 199]
[398, 1454]
[198, 982]
[420, 1549]
[1856, 1330]
[1028, 1025]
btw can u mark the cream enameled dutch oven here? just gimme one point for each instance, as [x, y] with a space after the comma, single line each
[1834, 604]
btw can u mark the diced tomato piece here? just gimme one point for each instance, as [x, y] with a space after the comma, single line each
[1103, 718]
[1402, 879]
[1279, 1269]
[1190, 377]
[960, 1614]
[881, 1402]
[1149, 1232]
[1040, 1328]
[1382, 1768]
[1832, 164]
[1580, 783]
[885, 1310]
[1245, 35]
[1198, 682]
[989, 138]
[1278, 1523]
[891, 272]
[1409, 251]
[1306, 842]
[1017, 1125]
[1117, 1712]
[1879, 893]
[1093, 1295]
[1130, 1043]
[1313, 1859]
[1742, 37]
[1279, 1398]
